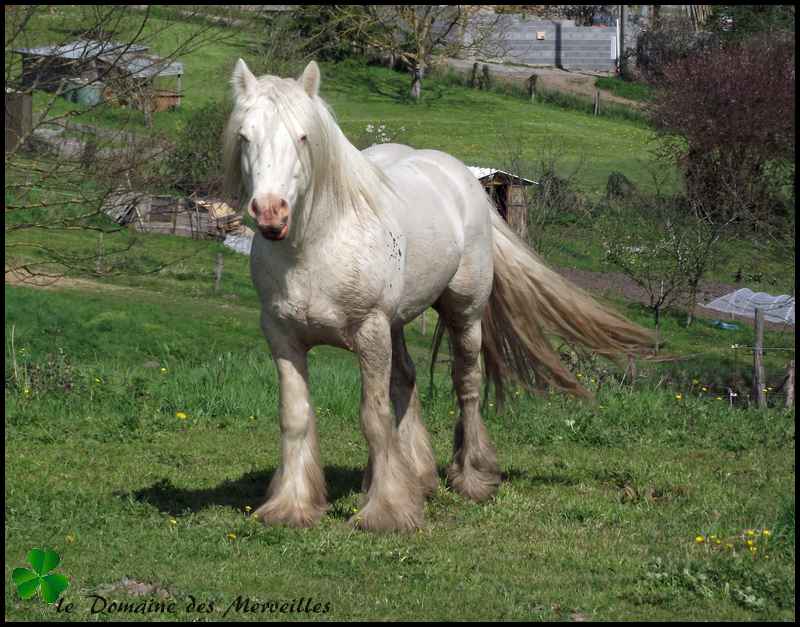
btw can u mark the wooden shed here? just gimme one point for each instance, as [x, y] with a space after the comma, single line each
[121, 72]
[46, 67]
[509, 195]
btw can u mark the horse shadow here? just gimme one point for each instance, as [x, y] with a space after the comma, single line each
[251, 489]
[248, 490]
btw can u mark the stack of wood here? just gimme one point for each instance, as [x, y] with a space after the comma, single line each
[185, 217]
[222, 218]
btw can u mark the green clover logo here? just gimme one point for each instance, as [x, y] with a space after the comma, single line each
[29, 581]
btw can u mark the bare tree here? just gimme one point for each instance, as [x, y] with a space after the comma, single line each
[415, 35]
[63, 166]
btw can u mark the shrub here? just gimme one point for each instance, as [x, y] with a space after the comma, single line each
[674, 39]
[727, 119]
[196, 163]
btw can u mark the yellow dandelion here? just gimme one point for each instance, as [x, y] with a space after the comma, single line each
[719, 398]
[163, 370]
[729, 546]
[695, 381]
[717, 541]
[704, 388]
[96, 380]
[173, 522]
[678, 397]
[766, 533]
[749, 532]
[231, 536]
[70, 538]
[699, 539]
[750, 543]
[247, 508]
[181, 415]
[579, 375]
[26, 391]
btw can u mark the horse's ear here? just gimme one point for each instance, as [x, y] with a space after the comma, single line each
[243, 81]
[310, 79]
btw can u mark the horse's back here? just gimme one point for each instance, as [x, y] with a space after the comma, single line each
[444, 214]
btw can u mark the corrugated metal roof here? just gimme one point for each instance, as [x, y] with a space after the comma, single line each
[146, 66]
[81, 48]
[482, 173]
[128, 56]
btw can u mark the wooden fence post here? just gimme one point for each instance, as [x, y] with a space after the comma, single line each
[218, 273]
[532, 86]
[98, 264]
[758, 394]
[790, 385]
[597, 102]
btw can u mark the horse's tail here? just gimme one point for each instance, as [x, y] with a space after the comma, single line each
[529, 301]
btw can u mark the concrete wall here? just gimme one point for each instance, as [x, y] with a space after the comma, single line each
[564, 44]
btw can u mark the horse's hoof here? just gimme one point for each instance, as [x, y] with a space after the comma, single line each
[473, 484]
[291, 515]
[376, 518]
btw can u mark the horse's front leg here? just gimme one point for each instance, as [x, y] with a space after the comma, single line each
[296, 494]
[394, 500]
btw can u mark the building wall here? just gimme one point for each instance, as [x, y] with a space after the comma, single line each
[562, 44]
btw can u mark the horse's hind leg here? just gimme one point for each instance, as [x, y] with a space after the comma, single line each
[474, 472]
[413, 435]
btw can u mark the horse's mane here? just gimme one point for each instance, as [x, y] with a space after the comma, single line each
[343, 180]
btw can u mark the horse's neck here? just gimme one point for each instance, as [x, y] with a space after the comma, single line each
[328, 211]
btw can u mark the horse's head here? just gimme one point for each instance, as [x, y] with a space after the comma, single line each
[268, 134]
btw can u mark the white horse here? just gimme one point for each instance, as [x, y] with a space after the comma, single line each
[351, 247]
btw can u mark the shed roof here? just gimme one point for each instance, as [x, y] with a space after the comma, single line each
[82, 48]
[129, 57]
[483, 173]
[146, 66]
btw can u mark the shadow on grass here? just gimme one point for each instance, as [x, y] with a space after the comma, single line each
[250, 489]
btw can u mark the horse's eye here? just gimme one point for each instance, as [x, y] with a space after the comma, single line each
[304, 138]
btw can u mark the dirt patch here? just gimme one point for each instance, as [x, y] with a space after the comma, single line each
[577, 82]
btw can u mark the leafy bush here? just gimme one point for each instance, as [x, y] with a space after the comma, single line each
[727, 117]
[196, 163]
[674, 39]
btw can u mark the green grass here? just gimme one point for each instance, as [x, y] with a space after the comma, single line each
[597, 516]
[625, 89]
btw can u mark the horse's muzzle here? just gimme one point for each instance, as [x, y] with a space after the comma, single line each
[274, 232]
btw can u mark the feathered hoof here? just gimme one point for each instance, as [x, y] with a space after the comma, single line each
[384, 518]
[292, 515]
[471, 483]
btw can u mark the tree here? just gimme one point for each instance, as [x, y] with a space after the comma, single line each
[664, 244]
[415, 35]
[739, 22]
[727, 118]
[67, 163]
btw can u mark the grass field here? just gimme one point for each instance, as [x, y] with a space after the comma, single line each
[141, 425]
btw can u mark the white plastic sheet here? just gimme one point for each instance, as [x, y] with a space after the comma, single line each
[239, 243]
[743, 302]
